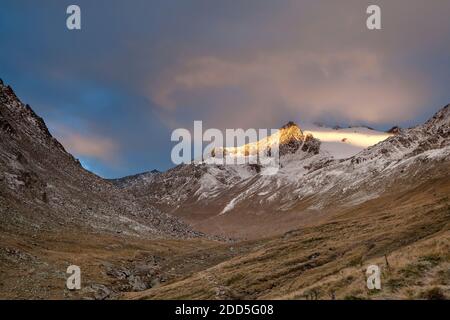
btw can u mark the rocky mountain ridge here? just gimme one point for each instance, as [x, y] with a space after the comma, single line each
[40, 174]
[309, 181]
[315, 224]
[43, 187]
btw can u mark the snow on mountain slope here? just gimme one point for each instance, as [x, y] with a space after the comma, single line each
[343, 143]
[300, 152]
[313, 177]
[204, 181]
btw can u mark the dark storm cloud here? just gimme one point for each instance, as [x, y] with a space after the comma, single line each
[113, 91]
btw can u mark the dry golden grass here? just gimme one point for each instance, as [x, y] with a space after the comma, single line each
[35, 268]
[408, 231]
[322, 261]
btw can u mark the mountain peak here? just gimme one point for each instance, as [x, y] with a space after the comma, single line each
[19, 120]
[292, 138]
[290, 132]
[289, 125]
[140, 178]
[440, 121]
[394, 130]
[444, 112]
[7, 94]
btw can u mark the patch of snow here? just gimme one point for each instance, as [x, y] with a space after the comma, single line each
[229, 206]
[347, 142]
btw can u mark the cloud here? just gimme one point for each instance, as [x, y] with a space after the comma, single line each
[310, 60]
[253, 63]
[87, 145]
[355, 85]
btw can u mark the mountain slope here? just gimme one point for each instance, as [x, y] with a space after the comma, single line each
[318, 222]
[342, 143]
[310, 185]
[42, 187]
[406, 234]
[54, 214]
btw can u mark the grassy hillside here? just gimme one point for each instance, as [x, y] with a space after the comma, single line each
[407, 235]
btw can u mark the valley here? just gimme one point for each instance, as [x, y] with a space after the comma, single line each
[203, 231]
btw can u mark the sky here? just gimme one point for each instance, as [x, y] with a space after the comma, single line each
[114, 91]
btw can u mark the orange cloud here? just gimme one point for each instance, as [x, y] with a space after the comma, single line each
[87, 145]
[358, 85]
